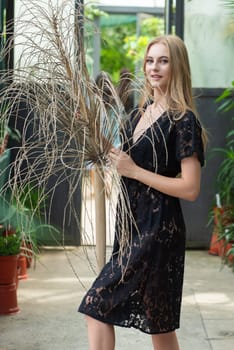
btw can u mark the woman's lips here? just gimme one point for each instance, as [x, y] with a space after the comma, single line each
[156, 77]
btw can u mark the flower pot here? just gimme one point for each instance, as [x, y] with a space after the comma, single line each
[214, 244]
[8, 299]
[22, 267]
[224, 248]
[26, 249]
[8, 269]
[219, 246]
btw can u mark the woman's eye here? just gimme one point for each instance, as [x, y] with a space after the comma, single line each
[164, 61]
[149, 60]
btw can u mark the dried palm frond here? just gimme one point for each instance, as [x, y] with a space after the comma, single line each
[68, 126]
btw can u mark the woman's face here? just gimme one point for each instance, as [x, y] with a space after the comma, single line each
[157, 67]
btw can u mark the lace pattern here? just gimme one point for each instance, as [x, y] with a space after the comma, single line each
[147, 295]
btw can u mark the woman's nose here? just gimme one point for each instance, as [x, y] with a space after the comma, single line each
[155, 65]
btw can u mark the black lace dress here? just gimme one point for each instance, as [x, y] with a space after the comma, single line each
[148, 295]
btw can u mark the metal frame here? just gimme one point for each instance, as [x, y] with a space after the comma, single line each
[179, 18]
[10, 14]
[176, 19]
[168, 16]
[159, 11]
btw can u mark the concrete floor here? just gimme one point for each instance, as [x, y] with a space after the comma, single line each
[48, 300]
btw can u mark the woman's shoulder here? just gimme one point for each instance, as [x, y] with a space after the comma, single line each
[188, 114]
[188, 133]
[187, 118]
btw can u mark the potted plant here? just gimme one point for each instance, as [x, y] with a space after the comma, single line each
[18, 206]
[28, 202]
[10, 242]
[223, 213]
[225, 231]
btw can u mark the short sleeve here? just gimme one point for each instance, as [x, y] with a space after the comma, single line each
[189, 138]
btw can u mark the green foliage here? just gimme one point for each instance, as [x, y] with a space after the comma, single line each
[4, 128]
[10, 245]
[229, 5]
[225, 225]
[91, 11]
[225, 176]
[113, 53]
[30, 198]
[135, 47]
[152, 27]
[227, 99]
[122, 48]
[225, 180]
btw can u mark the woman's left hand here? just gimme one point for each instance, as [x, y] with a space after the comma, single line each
[123, 163]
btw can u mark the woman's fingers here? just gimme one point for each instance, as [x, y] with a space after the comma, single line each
[114, 151]
[122, 162]
[114, 154]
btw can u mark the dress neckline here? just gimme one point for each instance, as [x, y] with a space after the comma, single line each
[146, 130]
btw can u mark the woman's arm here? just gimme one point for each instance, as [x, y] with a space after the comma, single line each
[187, 186]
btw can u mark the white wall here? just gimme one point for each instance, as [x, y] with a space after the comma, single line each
[211, 50]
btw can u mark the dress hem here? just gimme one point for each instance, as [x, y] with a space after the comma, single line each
[123, 326]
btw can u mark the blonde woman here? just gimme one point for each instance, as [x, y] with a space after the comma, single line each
[160, 162]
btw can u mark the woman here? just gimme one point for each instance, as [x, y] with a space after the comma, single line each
[160, 162]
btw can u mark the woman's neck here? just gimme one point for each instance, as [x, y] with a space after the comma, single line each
[160, 99]
[160, 103]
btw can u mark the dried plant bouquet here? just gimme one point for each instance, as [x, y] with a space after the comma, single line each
[67, 127]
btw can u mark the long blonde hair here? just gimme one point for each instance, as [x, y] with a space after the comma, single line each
[179, 91]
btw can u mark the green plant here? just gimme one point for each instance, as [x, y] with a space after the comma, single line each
[29, 199]
[10, 244]
[226, 99]
[135, 45]
[229, 237]
[120, 32]
[225, 176]
[225, 227]
[5, 130]
[225, 183]
[22, 209]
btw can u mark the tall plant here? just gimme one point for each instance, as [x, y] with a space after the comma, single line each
[225, 182]
[225, 177]
[71, 126]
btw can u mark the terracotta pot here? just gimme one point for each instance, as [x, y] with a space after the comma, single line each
[8, 269]
[27, 250]
[8, 299]
[219, 246]
[224, 248]
[22, 267]
[214, 244]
